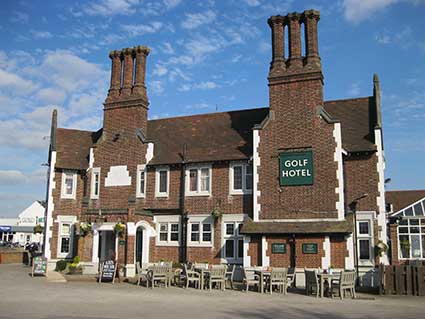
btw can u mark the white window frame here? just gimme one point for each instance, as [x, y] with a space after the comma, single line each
[74, 184]
[201, 220]
[139, 193]
[244, 190]
[198, 192]
[366, 217]
[95, 171]
[157, 172]
[167, 219]
[68, 220]
[409, 234]
[236, 220]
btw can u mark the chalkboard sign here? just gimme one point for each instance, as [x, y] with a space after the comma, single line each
[279, 248]
[107, 271]
[39, 266]
[309, 248]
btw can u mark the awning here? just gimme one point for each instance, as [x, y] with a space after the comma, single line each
[299, 227]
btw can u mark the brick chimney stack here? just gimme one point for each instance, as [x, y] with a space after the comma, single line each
[276, 23]
[311, 18]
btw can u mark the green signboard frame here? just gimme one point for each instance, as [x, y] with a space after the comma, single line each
[279, 248]
[309, 248]
[296, 168]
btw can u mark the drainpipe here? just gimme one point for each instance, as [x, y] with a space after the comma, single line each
[184, 218]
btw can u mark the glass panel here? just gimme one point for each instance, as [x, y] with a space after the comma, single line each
[240, 248]
[418, 209]
[415, 246]
[194, 236]
[142, 182]
[408, 212]
[207, 227]
[414, 221]
[229, 248]
[66, 229]
[195, 227]
[96, 183]
[404, 244]
[364, 228]
[364, 249]
[248, 177]
[414, 230]
[163, 236]
[69, 181]
[423, 221]
[206, 237]
[403, 230]
[237, 177]
[205, 180]
[65, 245]
[403, 222]
[230, 229]
[163, 181]
[163, 232]
[423, 246]
[174, 232]
[163, 227]
[193, 180]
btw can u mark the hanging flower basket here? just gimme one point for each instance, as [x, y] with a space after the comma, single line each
[216, 213]
[85, 229]
[119, 229]
[38, 229]
[381, 248]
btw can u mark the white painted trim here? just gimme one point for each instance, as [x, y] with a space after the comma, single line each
[118, 176]
[148, 231]
[234, 217]
[202, 219]
[65, 219]
[339, 205]
[48, 216]
[149, 152]
[244, 190]
[141, 168]
[91, 158]
[246, 257]
[349, 260]
[380, 200]
[326, 259]
[167, 243]
[94, 171]
[95, 247]
[303, 220]
[157, 170]
[255, 165]
[74, 184]
[368, 216]
[265, 259]
[238, 220]
[410, 205]
[198, 192]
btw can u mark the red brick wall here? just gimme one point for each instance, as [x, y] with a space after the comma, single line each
[394, 245]
[338, 251]
[309, 260]
[279, 260]
[254, 250]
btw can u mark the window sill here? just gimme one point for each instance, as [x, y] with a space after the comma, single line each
[140, 196]
[236, 192]
[202, 245]
[67, 197]
[159, 195]
[198, 194]
[167, 244]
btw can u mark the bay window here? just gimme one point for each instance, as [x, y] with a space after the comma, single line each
[411, 238]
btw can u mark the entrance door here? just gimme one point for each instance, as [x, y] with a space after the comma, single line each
[139, 245]
[107, 245]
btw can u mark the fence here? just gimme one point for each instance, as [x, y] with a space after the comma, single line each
[402, 280]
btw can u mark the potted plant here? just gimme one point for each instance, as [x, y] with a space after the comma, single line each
[119, 229]
[381, 248]
[74, 267]
[216, 213]
[85, 228]
[38, 229]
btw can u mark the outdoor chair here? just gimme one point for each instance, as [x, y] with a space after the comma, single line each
[229, 274]
[217, 275]
[191, 276]
[158, 274]
[278, 278]
[250, 278]
[142, 272]
[345, 282]
[312, 285]
[200, 265]
[290, 277]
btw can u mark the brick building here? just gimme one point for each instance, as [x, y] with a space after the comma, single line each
[268, 186]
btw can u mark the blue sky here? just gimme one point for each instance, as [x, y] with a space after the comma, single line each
[205, 55]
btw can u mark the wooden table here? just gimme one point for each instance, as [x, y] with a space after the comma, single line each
[263, 274]
[325, 277]
[203, 271]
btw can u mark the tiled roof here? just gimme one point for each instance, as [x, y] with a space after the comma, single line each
[356, 117]
[216, 136]
[402, 199]
[265, 227]
[73, 148]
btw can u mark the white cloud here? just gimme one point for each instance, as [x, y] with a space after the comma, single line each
[110, 7]
[197, 106]
[167, 48]
[16, 83]
[51, 95]
[252, 3]
[194, 20]
[160, 70]
[19, 17]
[354, 89]
[156, 87]
[11, 177]
[206, 85]
[41, 34]
[358, 10]
[171, 4]
[141, 29]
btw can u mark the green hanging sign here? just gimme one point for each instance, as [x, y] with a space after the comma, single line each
[296, 168]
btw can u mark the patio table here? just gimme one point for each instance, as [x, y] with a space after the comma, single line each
[204, 272]
[263, 273]
[323, 277]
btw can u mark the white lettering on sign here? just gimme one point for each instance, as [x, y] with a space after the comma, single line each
[296, 163]
[296, 172]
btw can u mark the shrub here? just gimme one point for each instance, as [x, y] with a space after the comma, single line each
[76, 260]
[61, 265]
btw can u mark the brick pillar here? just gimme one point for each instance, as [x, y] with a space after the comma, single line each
[394, 244]
[295, 59]
[139, 81]
[311, 18]
[127, 82]
[114, 89]
[276, 23]
[85, 248]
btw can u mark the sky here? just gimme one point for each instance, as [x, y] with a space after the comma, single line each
[205, 56]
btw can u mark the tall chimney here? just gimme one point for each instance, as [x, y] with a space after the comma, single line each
[277, 65]
[127, 83]
[311, 18]
[141, 53]
[295, 59]
[114, 90]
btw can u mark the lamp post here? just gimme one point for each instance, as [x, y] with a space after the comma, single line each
[353, 207]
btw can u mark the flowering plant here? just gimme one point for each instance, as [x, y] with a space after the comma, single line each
[85, 228]
[381, 248]
[38, 229]
[119, 229]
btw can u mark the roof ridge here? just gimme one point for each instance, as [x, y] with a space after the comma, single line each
[406, 190]
[73, 129]
[349, 99]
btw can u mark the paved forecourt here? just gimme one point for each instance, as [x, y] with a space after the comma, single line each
[24, 297]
